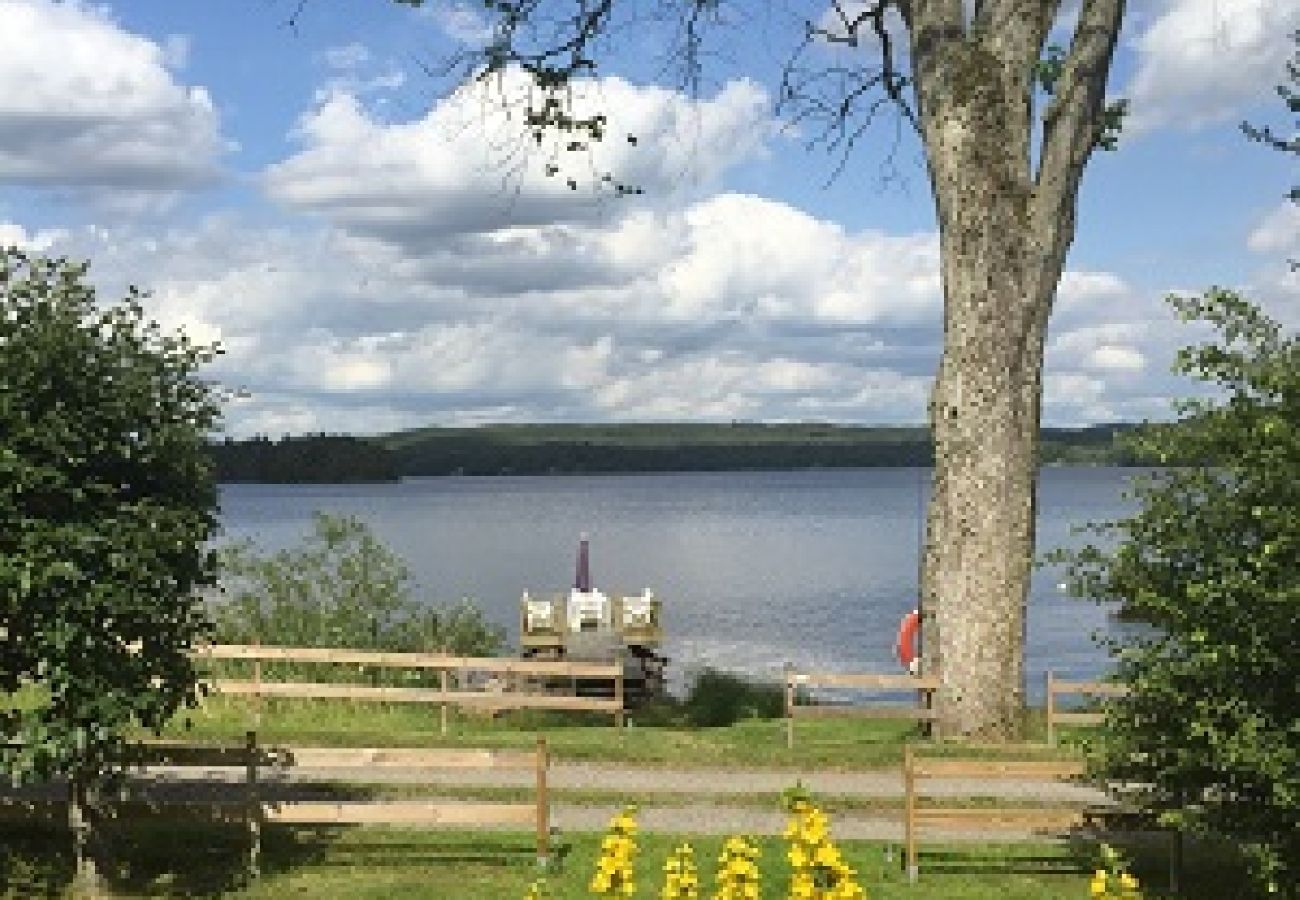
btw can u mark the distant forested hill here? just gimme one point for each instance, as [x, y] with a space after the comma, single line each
[667, 447]
[314, 458]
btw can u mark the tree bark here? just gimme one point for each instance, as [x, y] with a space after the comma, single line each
[82, 821]
[1004, 234]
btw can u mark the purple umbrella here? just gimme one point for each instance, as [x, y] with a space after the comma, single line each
[582, 581]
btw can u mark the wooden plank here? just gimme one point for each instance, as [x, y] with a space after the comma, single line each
[845, 711]
[311, 690]
[326, 655]
[180, 753]
[230, 811]
[384, 757]
[1099, 688]
[558, 669]
[535, 701]
[400, 812]
[992, 768]
[867, 680]
[1077, 718]
[336, 655]
[999, 818]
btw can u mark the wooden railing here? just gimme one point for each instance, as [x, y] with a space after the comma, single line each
[794, 679]
[254, 811]
[916, 770]
[512, 696]
[1041, 818]
[1056, 688]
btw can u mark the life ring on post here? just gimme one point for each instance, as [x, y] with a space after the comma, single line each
[908, 631]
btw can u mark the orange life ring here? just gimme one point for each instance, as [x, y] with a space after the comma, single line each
[907, 634]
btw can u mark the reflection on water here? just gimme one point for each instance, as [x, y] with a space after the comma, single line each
[755, 568]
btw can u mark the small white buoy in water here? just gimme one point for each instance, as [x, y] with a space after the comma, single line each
[1061, 586]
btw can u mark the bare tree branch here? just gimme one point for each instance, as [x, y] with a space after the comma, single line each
[836, 96]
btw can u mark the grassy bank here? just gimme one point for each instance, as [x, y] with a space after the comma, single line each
[828, 744]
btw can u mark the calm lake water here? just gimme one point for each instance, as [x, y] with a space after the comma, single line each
[755, 568]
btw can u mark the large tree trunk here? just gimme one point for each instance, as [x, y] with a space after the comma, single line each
[1002, 260]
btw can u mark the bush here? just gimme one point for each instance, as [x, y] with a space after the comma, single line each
[1212, 562]
[107, 504]
[719, 698]
[340, 588]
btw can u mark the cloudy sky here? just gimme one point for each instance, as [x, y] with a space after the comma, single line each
[375, 250]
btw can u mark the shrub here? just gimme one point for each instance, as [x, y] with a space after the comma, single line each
[340, 588]
[719, 698]
[1212, 562]
[107, 503]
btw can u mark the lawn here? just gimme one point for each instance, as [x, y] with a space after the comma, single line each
[376, 862]
[828, 744]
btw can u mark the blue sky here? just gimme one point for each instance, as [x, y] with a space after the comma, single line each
[373, 254]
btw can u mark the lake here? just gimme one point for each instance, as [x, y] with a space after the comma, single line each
[754, 568]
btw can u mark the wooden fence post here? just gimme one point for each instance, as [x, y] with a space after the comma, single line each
[254, 806]
[445, 682]
[1175, 861]
[789, 706]
[1051, 708]
[909, 815]
[618, 691]
[543, 807]
[88, 878]
[257, 688]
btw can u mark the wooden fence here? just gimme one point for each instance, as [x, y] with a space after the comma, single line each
[1042, 818]
[451, 691]
[923, 686]
[1056, 688]
[254, 811]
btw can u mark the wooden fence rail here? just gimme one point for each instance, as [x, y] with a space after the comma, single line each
[254, 812]
[1056, 688]
[795, 679]
[1044, 818]
[512, 697]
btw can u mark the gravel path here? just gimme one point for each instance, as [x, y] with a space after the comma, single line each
[690, 801]
[642, 781]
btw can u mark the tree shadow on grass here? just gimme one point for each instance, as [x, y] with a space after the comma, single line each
[1210, 870]
[147, 858]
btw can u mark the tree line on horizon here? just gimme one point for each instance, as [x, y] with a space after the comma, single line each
[576, 449]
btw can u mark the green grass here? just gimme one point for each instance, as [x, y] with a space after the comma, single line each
[826, 744]
[442, 865]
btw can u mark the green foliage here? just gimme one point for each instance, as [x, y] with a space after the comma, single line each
[718, 698]
[106, 506]
[1212, 561]
[1047, 71]
[340, 588]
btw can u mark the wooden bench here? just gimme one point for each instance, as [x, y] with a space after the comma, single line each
[514, 670]
[794, 679]
[251, 808]
[1056, 688]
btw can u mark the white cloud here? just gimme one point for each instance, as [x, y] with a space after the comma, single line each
[1203, 62]
[347, 57]
[14, 235]
[462, 23]
[86, 105]
[467, 166]
[1277, 232]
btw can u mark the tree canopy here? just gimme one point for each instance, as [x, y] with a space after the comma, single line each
[1212, 562]
[106, 506]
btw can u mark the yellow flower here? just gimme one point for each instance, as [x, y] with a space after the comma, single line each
[1127, 881]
